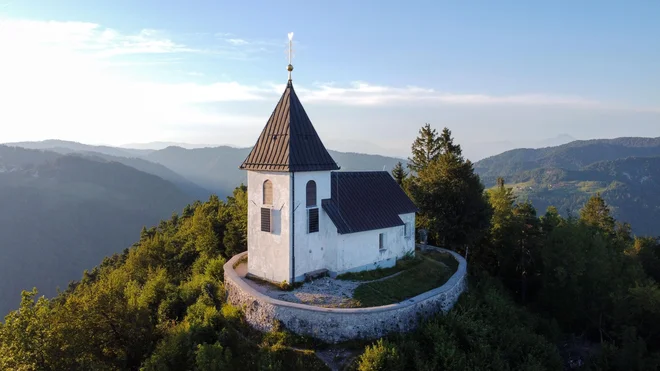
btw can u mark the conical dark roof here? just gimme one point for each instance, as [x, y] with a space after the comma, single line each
[289, 142]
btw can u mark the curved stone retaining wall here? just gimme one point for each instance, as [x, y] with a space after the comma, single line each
[335, 325]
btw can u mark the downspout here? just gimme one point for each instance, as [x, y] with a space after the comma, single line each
[293, 228]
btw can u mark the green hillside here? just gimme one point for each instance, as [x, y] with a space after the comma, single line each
[571, 156]
[625, 171]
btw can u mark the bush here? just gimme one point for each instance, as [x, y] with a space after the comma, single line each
[380, 356]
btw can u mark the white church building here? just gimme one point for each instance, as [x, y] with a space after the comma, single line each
[305, 216]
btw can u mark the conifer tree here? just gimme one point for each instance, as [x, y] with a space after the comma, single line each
[425, 149]
[450, 196]
[447, 143]
[398, 173]
[596, 213]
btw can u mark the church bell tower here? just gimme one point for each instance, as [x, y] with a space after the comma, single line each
[288, 172]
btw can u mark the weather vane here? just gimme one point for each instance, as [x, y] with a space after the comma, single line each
[290, 66]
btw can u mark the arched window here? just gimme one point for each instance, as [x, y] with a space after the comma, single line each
[268, 193]
[311, 193]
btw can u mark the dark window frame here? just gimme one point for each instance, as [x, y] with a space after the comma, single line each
[310, 194]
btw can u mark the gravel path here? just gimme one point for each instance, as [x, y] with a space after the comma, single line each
[322, 292]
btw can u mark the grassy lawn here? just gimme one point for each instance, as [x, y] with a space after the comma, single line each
[374, 274]
[433, 271]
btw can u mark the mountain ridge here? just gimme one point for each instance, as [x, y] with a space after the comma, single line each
[625, 171]
[61, 214]
[571, 156]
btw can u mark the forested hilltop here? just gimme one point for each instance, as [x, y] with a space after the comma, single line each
[624, 171]
[546, 291]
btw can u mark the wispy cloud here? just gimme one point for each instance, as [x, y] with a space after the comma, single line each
[240, 48]
[361, 93]
[237, 42]
[85, 37]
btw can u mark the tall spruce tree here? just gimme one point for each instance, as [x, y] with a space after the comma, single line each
[451, 199]
[399, 173]
[447, 143]
[425, 149]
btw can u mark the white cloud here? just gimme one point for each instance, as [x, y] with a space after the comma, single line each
[55, 83]
[363, 94]
[83, 37]
[237, 42]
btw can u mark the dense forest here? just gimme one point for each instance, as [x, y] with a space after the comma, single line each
[546, 292]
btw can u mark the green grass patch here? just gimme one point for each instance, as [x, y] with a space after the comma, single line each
[374, 274]
[432, 272]
[443, 257]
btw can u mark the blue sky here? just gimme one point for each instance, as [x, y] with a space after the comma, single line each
[370, 73]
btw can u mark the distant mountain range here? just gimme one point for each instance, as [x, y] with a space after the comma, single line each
[626, 171]
[210, 169]
[61, 214]
[154, 146]
[481, 150]
[66, 205]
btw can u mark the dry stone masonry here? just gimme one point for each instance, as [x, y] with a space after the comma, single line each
[335, 325]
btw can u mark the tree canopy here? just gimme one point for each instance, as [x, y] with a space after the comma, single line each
[546, 292]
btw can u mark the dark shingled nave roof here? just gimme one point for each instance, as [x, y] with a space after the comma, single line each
[366, 200]
[289, 142]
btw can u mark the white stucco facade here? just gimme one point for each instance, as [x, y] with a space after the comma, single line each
[269, 252]
[315, 250]
[361, 251]
[290, 250]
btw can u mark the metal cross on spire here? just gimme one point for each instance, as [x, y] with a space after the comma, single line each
[290, 66]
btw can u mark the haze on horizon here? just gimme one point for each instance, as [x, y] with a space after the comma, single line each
[210, 72]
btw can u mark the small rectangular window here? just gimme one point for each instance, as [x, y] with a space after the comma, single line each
[265, 219]
[313, 220]
[408, 229]
[381, 241]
